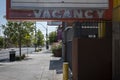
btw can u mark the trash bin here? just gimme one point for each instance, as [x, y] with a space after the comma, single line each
[47, 47]
[12, 55]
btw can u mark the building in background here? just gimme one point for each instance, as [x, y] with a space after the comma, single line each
[59, 33]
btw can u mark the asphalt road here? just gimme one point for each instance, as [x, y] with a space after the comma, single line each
[4, 53]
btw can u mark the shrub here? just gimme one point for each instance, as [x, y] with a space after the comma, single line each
[18, 58]
[39, 49]
[56, 49]
[23, 56]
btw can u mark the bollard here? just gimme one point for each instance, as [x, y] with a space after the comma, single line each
[65, 71]
[101, 29]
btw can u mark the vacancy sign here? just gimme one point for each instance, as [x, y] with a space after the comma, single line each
[58, 9]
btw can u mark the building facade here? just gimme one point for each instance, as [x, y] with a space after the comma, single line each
[116, 40]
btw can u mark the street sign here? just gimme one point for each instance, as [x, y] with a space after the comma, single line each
[54, 23]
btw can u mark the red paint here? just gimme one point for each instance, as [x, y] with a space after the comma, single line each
[7, 8]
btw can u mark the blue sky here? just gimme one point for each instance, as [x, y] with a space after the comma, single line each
[2, 11]
[39, 26]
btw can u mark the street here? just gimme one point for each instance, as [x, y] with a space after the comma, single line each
[4, 53]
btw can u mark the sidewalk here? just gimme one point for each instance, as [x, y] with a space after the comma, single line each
[37, 66]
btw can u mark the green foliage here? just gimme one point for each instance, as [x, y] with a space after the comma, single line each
[56, 46]
[1, 41]
[18, 58]
[40, 38]
[52, 37]
[38, 50]
[14, 31]
[57, 49]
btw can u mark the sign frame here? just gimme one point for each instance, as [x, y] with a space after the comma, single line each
[107, 14]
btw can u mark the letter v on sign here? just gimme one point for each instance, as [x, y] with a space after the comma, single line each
[37, 13]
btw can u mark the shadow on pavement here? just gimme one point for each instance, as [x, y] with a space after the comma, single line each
[56, 65]
[27, 59]
[47, 52]
[7, 60]
[1, 64]
[4, 60]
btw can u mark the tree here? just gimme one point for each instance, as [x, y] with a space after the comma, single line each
[1, 41]
[14, 30]
[10, 32]
[40, 38]
[28, 30]
[15, 33]
[28, 41]
[52, 37]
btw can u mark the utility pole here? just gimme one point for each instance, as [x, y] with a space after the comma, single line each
[35, 38]
[47, 46]
[19, 41]
[46, 28]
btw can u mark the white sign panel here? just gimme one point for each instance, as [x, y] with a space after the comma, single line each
[69, 13]
[55, 23]
[33, 4]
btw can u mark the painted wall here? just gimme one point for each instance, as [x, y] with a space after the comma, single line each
[116, 40]
[116, 10]
[116, 3]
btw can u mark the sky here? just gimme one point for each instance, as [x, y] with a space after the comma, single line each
[40, 25]
[2, 11]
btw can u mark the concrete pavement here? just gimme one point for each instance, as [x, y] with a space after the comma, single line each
[37, 66]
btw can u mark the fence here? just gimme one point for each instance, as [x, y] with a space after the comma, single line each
[92, 50]
[84, 41]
